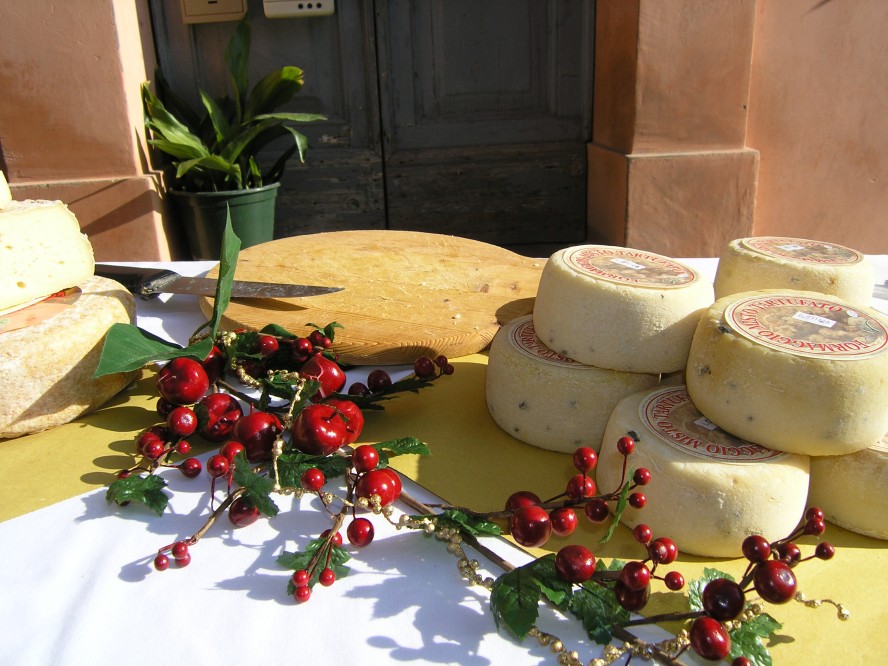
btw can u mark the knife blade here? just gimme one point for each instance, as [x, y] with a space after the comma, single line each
[150, 282]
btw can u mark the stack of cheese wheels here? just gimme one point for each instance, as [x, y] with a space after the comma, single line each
[794, 371]
[852, 490]
[708, 489]
[619, 308]
[776, 262]
[55, 314]
[548, 400]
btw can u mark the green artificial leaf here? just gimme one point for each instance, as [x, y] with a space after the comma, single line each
[278, 331]
[695, 587]
[127, 347]
[227, 262]
[467, 524]
[514, 601]
[613, 565]
[291, 467]
[622, 501]
[257, 488]
[597, 608]
[552, 585]
[333, 556]
[403, 446]
[746, 640]
[145, 489]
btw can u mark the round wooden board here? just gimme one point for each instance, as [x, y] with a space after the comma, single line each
[405, 293]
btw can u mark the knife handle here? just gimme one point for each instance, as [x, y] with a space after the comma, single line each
[144, 282]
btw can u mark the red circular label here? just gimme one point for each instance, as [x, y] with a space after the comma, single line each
[13, 320]
[627, 266]
[802, 250]
[812, 327]
[672, 417]
[524, 339]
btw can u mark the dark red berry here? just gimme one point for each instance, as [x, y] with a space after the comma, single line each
[741, 661]
[218, 466]
[662, 550]
[179, 549]
[336, 539]
[358, 389]
[257, 432]
[674, 581]
[242, 512]
[231, 450]
[626, 445]
[448, 369]
[182, 421]
[161, 562]
[383, 482]
[153, 449]
[824, 551]
[635, 575]
[564, 521]
[774, 581]
[814, 512]
[522, 498]
[182, 381]
[641, 476]
[637, 500]
[190, 467]
[147, 437]
[378, 380]
[301, 578]
[327, 577]
[788, 552]
[424, 367]
[441, 360]
[313, 479]
[319, 339]
[164, 407]
[723, 599]
[710, 639]
[214, 365]
[183, 561]
[756, 548]
[365, 458]
[580, 486]
[183, 448]
[642, 534]
[302, 594]
[328, 373]
[319, 429]
[266, 345]
[815, 526]
[575, 563]
[360, 532]
[597, 510]
[301, 349]
[530, 526]
[217, 415]
[353, 417]
[631, 600]
[585, 459]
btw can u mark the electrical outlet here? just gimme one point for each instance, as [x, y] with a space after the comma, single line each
[298, 8]
[211, 11]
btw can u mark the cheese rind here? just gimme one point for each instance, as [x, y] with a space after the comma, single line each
[619, 308]
[42, 251]
[5, 194]
[777, 262]
[46, 368]
[852, 490]
[547, 400]
[791, 370]
[708, 489]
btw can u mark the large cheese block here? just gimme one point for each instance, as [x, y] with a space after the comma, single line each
[708, 489]
[619, 308]
[852, 490]
[792, 370]
[49, 352]
[42, 251]
[776, 262]
[547, 400]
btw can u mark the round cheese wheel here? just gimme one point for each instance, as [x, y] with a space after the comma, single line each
[49, 352]
[852, 490]
[708, 489]
[547, 400]
[776, 262]
[792, 370]
[619, 308]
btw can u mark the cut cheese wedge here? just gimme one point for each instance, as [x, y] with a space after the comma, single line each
[50, 351]
[619, 308]
[708, 489]
[547, 400]
[42, 251]
[792, 370]
[777, 262]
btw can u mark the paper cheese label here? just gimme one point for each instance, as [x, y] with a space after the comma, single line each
[524, 339]
[802, 250]
[23, 317]
[673, 418]
[812, 327]
[627, 266]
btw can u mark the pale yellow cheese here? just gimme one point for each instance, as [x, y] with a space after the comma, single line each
[42, 251]
[794, 371]
[619, 308]
[547, 400]
[5, 194]
[708, 489]
[777, 262]
[49, 352]
[852, 490]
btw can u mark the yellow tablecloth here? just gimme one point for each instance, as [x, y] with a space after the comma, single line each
[473, 463]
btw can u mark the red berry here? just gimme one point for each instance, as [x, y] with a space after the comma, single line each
[447, 369]
[313, 479]
[161, 562]
[441, 361]
[637, 500]
[164, 407]
[365, 458]
[814, 512]
[585, 459]
[674, 581]
[597, 510]
[360, 532]
[182, 421]
[217, 414]
[182, 381]
[336, 540]
[575, 563]
[147, 437]
[741, 661]
[319, 430]
[301, 578]
[266, 345]
[530, 526]
[580, 486]
[327, 577]
[301, 349]
[626, 445]
[642, 534]
[153, 449]
[190, 467]
[217, 466]
[358, 389]
[231, 450]
[384, 482]
[183, 561]
[214, 364]
[302, 594]
[756, 548]
[378, 380]
[242, 512]
[424, 367]
[815, 526]
[353, 417]
[520, 499]
[723, 599]
[635, 575]
[641, 476]
[564, 521]
[631, 600]
[179, 549]
[824, 551]
[183, 448]
[774, 581]
[662, 550]
[710, 639]
[788, 552]
[319, 339]
[257, 432]
[327, 372]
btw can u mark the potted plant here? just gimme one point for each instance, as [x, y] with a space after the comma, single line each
[215, 168]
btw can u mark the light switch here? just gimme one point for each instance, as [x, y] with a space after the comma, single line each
[211, 11]
[298, 8]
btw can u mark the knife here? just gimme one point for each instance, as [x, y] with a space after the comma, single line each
[149, 282]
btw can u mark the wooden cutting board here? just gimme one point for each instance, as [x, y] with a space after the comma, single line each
[405, 293]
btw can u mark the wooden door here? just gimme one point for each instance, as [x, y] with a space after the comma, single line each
[451, 116]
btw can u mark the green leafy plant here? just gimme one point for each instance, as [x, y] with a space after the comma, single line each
[216, 148]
